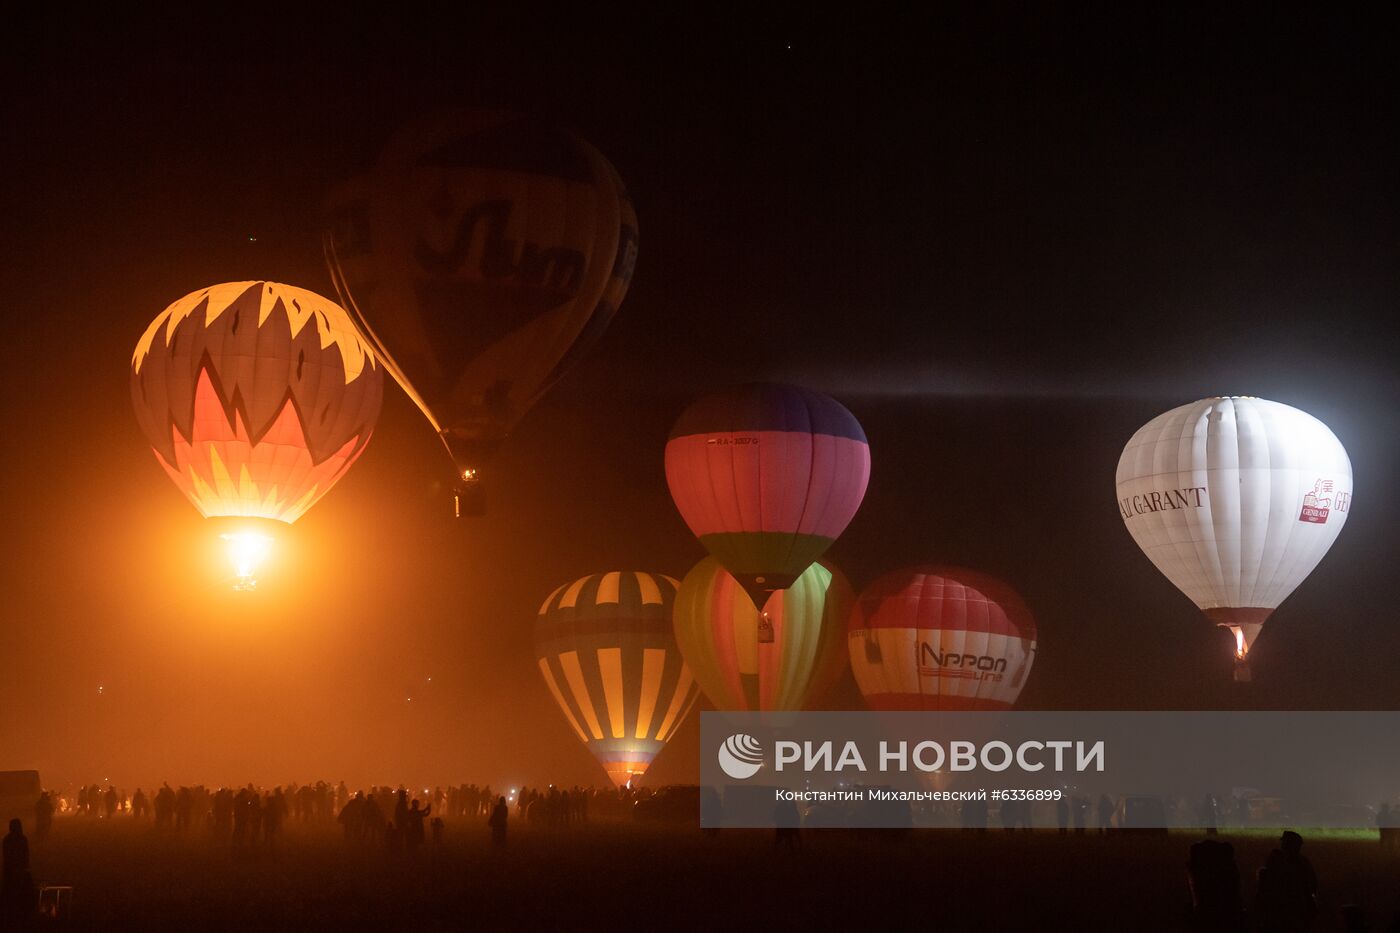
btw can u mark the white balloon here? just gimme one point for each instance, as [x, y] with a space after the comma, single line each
[1235, 500]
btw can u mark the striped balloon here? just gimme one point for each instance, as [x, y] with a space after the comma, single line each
[940, 638]
[767, 476]
[780, 660]
[605, 648]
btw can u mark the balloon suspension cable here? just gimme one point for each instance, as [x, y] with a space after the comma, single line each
[381, 352]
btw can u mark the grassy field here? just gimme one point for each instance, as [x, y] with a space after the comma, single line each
[620, 876]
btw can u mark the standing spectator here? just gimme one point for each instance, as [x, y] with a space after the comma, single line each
[1105, 813]
[1287, 893]
[19, 897]
[497, 821]
[1215, 885]
[43, 816]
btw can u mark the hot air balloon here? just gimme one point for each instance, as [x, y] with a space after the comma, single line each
[483, 256]
[1235, 500]
[256, 398]
[940, 638]
[605, 648]
[781, 659]
[767, 476]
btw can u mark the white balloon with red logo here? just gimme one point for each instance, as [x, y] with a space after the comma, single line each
[1235, 500]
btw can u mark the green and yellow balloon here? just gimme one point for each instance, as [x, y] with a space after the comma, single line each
[783, 658]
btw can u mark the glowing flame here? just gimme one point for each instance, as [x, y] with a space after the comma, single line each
[248, 550]
[1241, 649]
[223, 472]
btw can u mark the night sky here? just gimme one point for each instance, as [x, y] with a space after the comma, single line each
[1004, 245]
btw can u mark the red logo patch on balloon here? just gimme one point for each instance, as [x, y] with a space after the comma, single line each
[1317, 504]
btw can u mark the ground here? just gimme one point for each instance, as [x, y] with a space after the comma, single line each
[623, 876]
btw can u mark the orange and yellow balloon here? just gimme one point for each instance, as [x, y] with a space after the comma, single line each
[604, 647]
[256, 398]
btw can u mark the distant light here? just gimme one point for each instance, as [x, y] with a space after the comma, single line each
[100, 688]
[253, 239]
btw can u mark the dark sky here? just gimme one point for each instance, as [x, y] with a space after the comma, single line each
[1003, 243]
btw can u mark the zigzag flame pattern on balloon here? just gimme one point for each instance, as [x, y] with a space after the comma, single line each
[255, 396]
[202, 464]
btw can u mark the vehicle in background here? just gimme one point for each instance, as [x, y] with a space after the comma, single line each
[1138, 814]
[19, 791]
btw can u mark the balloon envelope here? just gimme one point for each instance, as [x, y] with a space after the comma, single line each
[744, 661]
[767, 477]
[941, 638]
[484, 255]
[256, 397]
[1235, 500]
[605, 649]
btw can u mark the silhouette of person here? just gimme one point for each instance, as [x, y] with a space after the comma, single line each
[1386, 826]
[1081, 815]
[1215, 885]
[1287, 893]
[371, 818]
[497, 821]
[43, 816]
[1210, 814]
[412, 826]
[19, 897]
[1062, 814]
[274, 811]
[1105, 813]
[350, 816]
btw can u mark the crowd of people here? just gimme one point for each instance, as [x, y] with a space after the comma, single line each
[251, 818]
[1285, 895]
